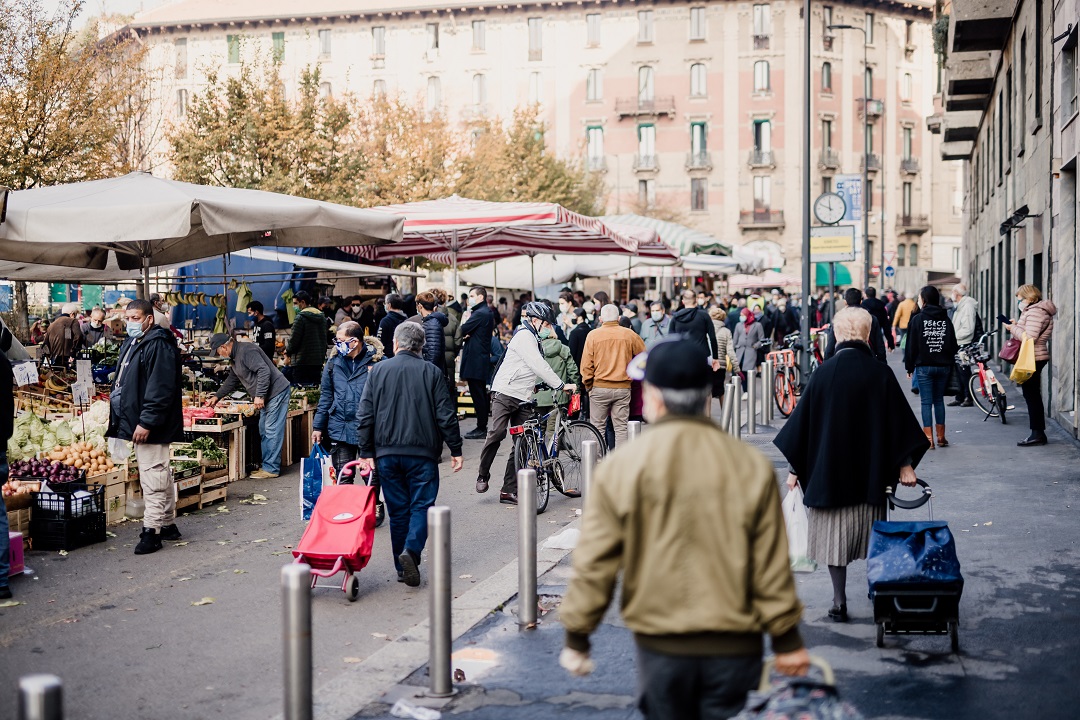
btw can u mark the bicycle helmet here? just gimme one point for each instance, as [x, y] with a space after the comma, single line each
[538, 310]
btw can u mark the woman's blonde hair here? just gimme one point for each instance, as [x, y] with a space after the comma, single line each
[1029, 293]
[852, 323]
[717, 313]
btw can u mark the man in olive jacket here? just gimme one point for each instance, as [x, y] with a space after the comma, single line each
[692, 518]
[307, 342]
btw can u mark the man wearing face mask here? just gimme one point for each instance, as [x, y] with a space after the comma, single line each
[268, 389]
[161, 311]
[95, 330]
[656, 327]
[476, 334]
[521, 367]
[145, 408]
[263, 331]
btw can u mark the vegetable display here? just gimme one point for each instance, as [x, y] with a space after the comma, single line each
[52, 470]
[84, 456]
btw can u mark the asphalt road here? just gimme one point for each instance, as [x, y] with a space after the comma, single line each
[124, 635]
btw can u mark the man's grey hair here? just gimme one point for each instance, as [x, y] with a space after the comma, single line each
[351, 329]
[689, 401]
[609, 313]
[852, 323]
[657, 305]
[960, 289]
[409, 337]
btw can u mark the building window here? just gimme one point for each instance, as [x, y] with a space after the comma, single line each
[909, 136]
[646, 190]
[697, 80]
[905, 198]
[181, 103]
[432, 37]
[594, 85]
[434, 94]
[698, 142]
[762, 136]
[536, 89]
[1000, 135]
[697, 23]
[869, 26]
[761, 76]
[826, 21]
[278, 40]
[479, 90]
[379, 89]
[868, 83]
[645, 84]
[324, 43]
[762, 193]
[479, 35]
[536, 39]
[1068, 79]
[645, 26]
[378, 42]
[913, 254]
[826, 77]
[233, 42]
[592, 29]
[905, 87]
[646, 145]
[594, 136]
[325, 91]
[826, 134]
[698, 193]
[1037, 90]
[763, 20]
[909, 33]
[180, 47]
[901, 255]
[826, 183]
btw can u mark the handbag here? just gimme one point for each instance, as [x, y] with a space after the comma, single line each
[1011, 351]
[316, 471]
[1025, 362]
[952, 385]
[575, 404]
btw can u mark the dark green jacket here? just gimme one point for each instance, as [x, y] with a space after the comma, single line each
[310, 335]
[562, 362]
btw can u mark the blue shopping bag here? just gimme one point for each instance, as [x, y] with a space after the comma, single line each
[315, 470]
[912, 553]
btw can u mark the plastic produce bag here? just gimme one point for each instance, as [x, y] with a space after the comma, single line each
[315, 471]
[1025, 362]
[798, 531]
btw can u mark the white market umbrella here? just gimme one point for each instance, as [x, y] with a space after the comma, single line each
[141, 221]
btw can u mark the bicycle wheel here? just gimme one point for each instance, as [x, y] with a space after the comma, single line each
[979, 395]
[795, 379]
[782, 394]
[573, 435]
[527, 457]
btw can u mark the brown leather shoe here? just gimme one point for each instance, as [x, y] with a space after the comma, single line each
[941, 440]
[508, 498]
[929, 436]
[481, 485]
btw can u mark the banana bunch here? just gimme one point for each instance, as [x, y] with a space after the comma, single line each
[195, 299]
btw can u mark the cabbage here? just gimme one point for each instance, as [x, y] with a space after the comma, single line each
[62, 429]
[37, 429]
[48, 440]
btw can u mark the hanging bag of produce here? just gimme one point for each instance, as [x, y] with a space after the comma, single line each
[314, 470]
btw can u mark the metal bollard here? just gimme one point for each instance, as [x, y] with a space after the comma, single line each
[527, 548]
[590, 449]
[296, 597]
[736, 411]
[41, 697]
[725, 406]
[440, 639]
[767, 392]
[633, 430]
[751, 401]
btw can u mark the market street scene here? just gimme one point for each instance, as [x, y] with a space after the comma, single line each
[689, 361]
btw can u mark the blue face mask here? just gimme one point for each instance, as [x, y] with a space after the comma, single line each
[343, 348]
[135, 328]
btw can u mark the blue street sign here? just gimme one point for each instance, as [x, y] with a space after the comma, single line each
[890, 271]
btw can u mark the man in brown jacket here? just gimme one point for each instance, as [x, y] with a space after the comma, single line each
[608, 350]
[64, 338]
[692, 518]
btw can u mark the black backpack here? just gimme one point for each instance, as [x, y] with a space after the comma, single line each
[979, 330]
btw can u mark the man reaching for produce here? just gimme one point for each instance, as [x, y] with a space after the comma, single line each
[269, 390]
[145, 407]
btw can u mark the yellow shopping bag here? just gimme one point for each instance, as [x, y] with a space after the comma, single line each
[1025, 362]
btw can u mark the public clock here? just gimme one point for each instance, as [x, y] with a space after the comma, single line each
[829, 208]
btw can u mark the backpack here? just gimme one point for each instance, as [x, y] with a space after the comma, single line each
[979, 330]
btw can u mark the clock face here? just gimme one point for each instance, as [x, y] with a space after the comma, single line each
[830, 208]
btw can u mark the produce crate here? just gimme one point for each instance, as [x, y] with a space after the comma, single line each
[115, 483]
[19, 521]
[61, 521]
[113, 477]
[61, 502]
[188, 483]
[218, 423]
[115, 508]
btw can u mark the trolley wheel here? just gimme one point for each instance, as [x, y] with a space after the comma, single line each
[353, 591]
[954, 635]
[881, 635]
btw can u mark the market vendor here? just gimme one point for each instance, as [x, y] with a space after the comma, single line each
[95, 329]
[268, 389]
[145, 407]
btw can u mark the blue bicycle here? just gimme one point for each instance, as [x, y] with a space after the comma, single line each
[556, 457]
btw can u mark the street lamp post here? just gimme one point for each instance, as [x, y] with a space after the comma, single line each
[866, 191]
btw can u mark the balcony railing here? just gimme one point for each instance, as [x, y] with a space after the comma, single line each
[645, 162]
[761, 218]
[874, 108]
[872, 163]
[913, 224]
[699, 160]
[761, 158]
[829, 159]
[909, 166]
[761, 42]
[645, 106]
[596, 164]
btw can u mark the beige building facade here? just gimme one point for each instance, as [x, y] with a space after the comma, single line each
[693, 109]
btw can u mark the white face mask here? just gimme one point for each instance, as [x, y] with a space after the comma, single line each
[1022, 304]
[657, 316]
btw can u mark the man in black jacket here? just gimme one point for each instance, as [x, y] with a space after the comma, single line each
[146, 409]
[405, 416]
[694, 323]
[879, 312]
[852, 297]
[7, 421]
[395, 315]
[476, 358]
[263, 331]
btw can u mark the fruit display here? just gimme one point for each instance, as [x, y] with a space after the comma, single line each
[84, 456]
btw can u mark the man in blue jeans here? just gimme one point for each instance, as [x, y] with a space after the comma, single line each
[406, 414]
[7, 421]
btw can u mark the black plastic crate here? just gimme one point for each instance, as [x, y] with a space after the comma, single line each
[60, 503]
[69, 534]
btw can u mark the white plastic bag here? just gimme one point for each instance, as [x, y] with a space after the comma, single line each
[798, 531]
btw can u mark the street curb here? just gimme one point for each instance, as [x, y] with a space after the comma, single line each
[362, 684]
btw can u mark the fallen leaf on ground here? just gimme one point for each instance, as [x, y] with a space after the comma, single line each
[464, 577]
[204, 601]
[131, 609]
[379, 636]
[10, 603]
[259, 540]
[353, 660]
[257, 496]
[280, 552]
[109, 533]
[240, 572]
[223, 509]
[63, 553]
[223, 542]
[181, 544]
[183, 579]
[987, 524]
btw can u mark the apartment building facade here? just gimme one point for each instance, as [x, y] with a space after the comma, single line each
[689, 108]
[1010, 112]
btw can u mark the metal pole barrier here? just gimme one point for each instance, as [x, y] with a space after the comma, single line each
[725, 407]
[41, 697]
[751, 401]
[633, 429]
[767, 393]
[296, 597]
[527, 548]
[736, 410]
[589, 451]
[440, 639]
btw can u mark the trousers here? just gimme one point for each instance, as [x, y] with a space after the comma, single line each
[504, 411]
[613, 403]
[5, 541]
[272, 429]
[931, 381]
[1032, 390]
[155, 477]
[687, 687]
[481, 402]
[410, 485]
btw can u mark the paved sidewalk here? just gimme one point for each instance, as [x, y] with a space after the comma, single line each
[1012, 512]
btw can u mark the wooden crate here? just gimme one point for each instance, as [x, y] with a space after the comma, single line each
[19, 521]
[115, 482]
[206, 497]
[113, 477]
[216, 424]
[115, 508]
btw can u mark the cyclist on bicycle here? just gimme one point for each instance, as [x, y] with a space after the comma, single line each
[511, 391]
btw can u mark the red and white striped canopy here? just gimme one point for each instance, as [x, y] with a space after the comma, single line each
[471, 231]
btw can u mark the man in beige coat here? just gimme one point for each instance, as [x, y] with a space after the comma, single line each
[608, 350]
[692, 518]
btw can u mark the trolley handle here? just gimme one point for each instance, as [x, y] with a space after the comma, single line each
[349, 469]
[924, 499]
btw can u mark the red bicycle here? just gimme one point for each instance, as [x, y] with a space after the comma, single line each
[985, 389]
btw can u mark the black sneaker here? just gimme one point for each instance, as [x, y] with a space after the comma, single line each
[410, 570]
[477, 434]
[171, 533]
[380, 513]
[5, 592]
[149, 542]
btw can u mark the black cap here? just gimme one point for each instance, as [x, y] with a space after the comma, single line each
[217, 340]
[678, 365]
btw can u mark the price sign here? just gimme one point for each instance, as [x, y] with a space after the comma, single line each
[82, 372]
[25, 374]
[80, 393]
